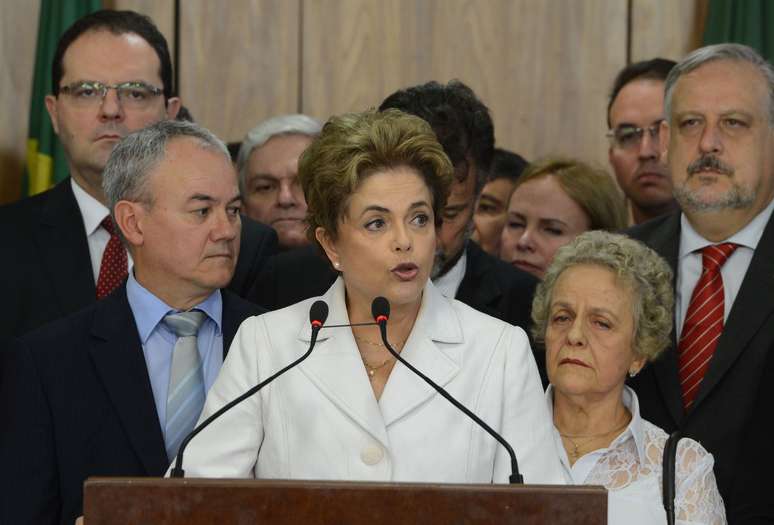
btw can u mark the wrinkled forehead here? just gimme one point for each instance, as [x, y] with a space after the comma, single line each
[722, 86]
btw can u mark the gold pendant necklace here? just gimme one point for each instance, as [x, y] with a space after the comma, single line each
[575, 454]
[371, 369]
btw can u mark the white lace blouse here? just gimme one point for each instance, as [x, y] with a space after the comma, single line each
[630, 469]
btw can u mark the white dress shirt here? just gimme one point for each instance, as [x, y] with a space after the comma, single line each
[321, 419]
[93, 212]
[449, 283]
[732, 272]
[630, 469]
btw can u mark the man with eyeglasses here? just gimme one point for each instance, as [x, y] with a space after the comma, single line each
[111, 75]
[634, 115]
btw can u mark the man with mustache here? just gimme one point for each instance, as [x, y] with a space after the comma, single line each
[113, 389]
[268, 175]
[111, 75]
[719, 139]
[634, 115]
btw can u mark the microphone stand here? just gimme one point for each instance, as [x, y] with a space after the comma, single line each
[515, 477]
[177, 471]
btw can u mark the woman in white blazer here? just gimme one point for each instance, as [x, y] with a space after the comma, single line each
[375, 184]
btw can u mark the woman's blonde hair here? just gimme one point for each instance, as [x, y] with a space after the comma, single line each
[592, 188]
[353, 146]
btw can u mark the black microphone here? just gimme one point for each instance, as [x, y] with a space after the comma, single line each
[380, 310]
[668, 471]
[318, 313]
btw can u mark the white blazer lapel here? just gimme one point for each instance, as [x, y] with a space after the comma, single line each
[434, 348]
[336, 369]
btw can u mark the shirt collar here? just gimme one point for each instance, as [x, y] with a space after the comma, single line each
[691, 241]
[449, 282]
[149, 310]
[634, 430]
[92, 211]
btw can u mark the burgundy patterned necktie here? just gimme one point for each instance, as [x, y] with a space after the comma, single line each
[114, 266]
[703, 321]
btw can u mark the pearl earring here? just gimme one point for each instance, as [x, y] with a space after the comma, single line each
[337, 265]
[633, 373]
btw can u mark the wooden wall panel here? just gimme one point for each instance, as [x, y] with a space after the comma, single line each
[18, 37]
[160, 11]
[239, 62]
[666, 29]
[541, 67]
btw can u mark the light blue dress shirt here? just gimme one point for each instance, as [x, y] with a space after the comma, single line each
[158, 342]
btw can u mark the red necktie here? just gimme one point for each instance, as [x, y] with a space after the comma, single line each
[703, 322]
[114, 266]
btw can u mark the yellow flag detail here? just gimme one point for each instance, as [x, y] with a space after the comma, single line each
[40, 168]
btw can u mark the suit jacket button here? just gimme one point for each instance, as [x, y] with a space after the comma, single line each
[372, 454]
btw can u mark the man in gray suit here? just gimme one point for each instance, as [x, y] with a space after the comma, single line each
[719, 135]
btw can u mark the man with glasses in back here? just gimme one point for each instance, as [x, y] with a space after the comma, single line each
[111, 75]
[634, 115]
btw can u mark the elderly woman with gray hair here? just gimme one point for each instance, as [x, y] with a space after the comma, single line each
[603, 311]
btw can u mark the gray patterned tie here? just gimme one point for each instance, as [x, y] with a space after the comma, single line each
[185, 397]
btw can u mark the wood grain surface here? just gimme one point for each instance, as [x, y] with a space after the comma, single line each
[239, 62]
[543, 67]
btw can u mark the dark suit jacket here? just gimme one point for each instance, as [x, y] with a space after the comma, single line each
[489, 285]
[751, 502]
[728, 391]
[46, 271]
[76, 401]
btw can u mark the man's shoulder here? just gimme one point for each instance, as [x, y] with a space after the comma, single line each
[61, 339]
[658, 228]
[483, 263]
[24, 209]
[240, 308]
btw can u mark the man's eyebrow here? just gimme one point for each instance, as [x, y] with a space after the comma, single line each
[201, 197]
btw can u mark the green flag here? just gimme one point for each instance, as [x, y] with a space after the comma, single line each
[46, 164]
[746, 22]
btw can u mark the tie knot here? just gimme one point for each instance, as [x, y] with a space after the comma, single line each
[714, 256]
[185, 324]
[107, 223]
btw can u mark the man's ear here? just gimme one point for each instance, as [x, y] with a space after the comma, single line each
[129, 219]
[173, 107]
[329, 246]
[663, 139]
[50, 101]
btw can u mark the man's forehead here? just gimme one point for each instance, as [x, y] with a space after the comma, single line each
[721, 86]
[108, 57]
[641, 101]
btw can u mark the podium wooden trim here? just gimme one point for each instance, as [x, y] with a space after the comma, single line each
[119, 501]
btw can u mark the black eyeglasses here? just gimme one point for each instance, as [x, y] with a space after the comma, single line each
[135, 95]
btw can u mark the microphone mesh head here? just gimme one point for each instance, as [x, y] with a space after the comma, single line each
[318, 313]
[380, 307]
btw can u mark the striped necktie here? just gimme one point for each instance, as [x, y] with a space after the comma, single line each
[185, 396]
[703, 321]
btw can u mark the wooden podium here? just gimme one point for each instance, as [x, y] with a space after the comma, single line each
[118, 501]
